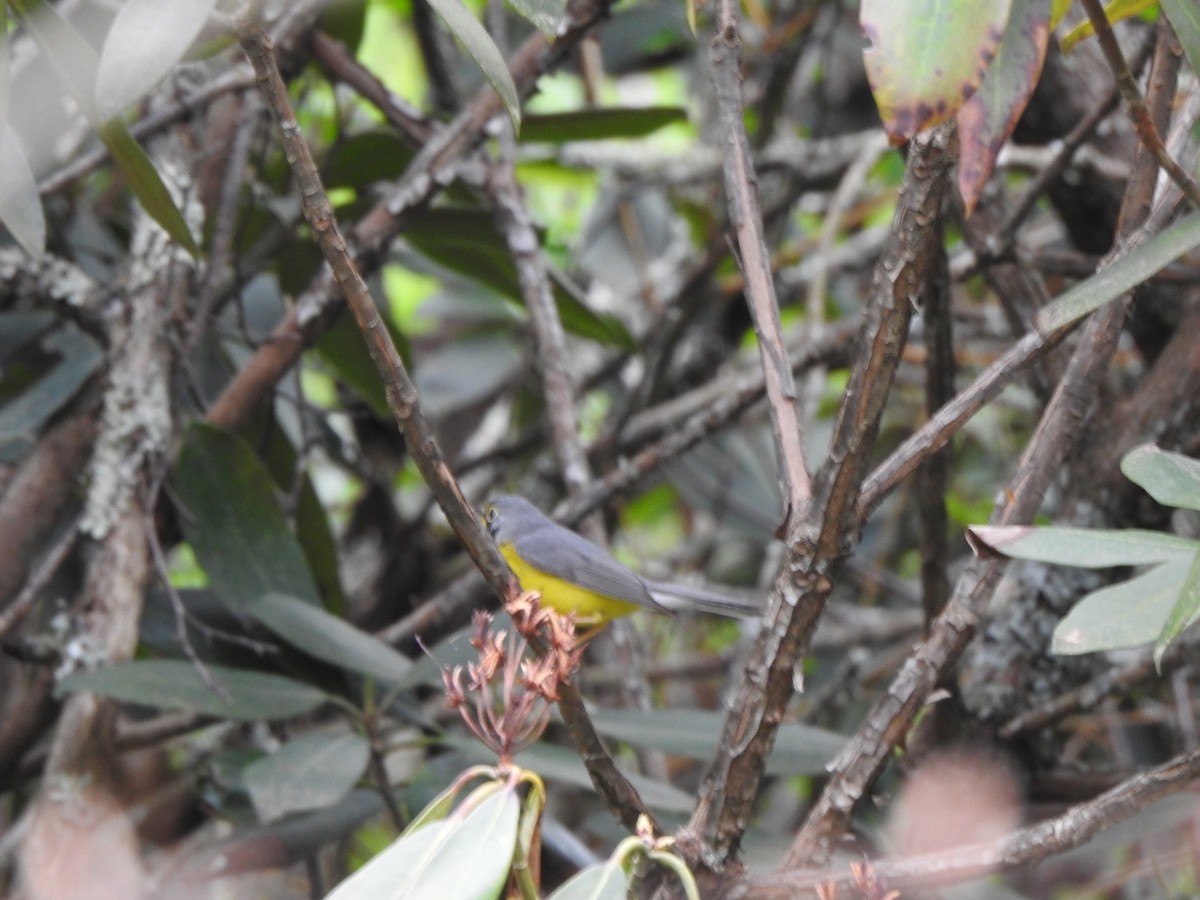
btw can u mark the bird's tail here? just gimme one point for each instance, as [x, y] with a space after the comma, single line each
[677, 597]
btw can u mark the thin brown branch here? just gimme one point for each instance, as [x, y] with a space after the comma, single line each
[1072, 829]
[1139, 113]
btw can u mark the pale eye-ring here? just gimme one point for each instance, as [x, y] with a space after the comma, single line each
[490, 515]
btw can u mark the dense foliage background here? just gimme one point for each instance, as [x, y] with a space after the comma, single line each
[680, 288]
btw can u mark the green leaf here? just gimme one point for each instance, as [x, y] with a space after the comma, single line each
[1116, 11]
[1089, 548]
[599, 124]
[234, 521]
[926, 57]
[20, 202]
[329, 638]
[147, 186]
[481, 48]
[1131, 269]
[694, 733]
[146, 40]
[542, 14]
[22, 417]
[603, 881]
[1182, 614]
[465, 856]
[310, 772]
[72, 58]
[1184, 16]
[1170, 478]
[175, 684]
[987, 120]
[1130, 614]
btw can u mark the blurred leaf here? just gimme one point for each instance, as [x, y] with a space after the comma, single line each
[925, 58]
[694, 733]
[1185, 19]
[987, 120]
[329, 638]
[20, 202]
[175, 684]
[5, 64]
[1115, 11]
[342, 347]
[480, 46]
[19, 328]
[466, 241]
[599, 124]
[466, 370]
[146, 40]
[234, 521]
[309, 772]
[343, 20]
[22, 418]
[1131, 269]
[1089, 548]
[72, 58]
[1185, 611]
[147, 186]
[603, 881]
[366, 158]
[1170, 478]
[542, 14]
[1130, 614]
[465, 856]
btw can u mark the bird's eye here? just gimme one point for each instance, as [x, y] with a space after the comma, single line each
[490, 515]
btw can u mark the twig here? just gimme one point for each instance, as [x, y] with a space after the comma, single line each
[1139, 114]
[1072, 829]
[14, 612]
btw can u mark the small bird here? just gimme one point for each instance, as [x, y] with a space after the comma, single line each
[573, 575]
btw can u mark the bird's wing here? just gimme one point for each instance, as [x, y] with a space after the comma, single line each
[562, 553]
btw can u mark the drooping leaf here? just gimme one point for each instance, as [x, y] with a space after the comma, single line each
[1131, 269]
[483, 50]
[599, 124]
[1185, 19]
[987, 120]
[464, 856]
[146, 184]
[235, 523]
[146, 40]
[329, 638]
[309, 772]
[20, 202]
[1130, 614]
[175, 684]
[925, 58]
[1170, 478]
[5, 64]
[1089, 548]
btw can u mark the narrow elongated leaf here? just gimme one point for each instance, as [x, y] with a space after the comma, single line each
[464, 856]
[1139, 264]
[146, 40]
[5, 64]
[1183, 613]
[926, 57]
[147, 186]
[1089, 548]
[71, 57]
[483, 50]
[1185, 19]
[23, 417]
[542, 14]
[20, 203]
[310, 772]
[235, 523]
[1130, 614]
[175, 684]
[1116, 11]
[1170, 478]
[599, 124]
[327, 637]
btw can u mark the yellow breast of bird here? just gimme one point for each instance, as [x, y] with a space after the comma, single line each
[590, 607]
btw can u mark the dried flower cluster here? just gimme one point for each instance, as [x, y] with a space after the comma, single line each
[505, 697]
